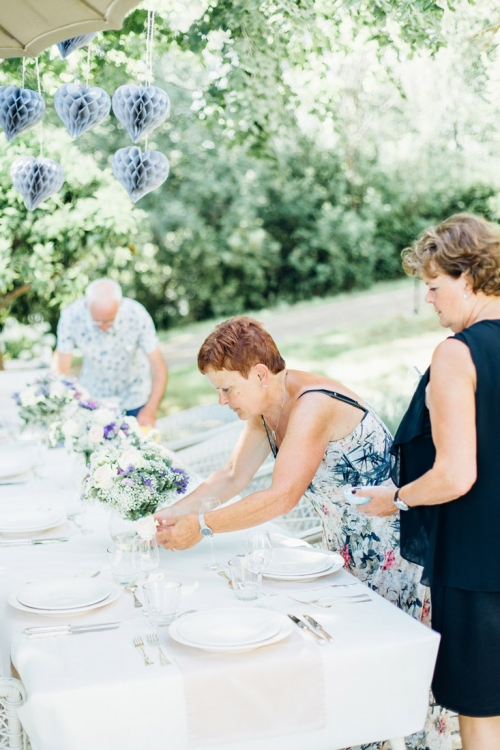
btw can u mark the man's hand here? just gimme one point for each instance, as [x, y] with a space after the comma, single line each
[182, 532]
[147, 416]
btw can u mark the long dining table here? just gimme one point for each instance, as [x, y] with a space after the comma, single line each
[93, 690]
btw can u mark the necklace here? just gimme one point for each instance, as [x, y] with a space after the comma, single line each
[273, 432]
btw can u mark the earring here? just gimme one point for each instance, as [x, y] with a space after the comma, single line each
[466, 296]
[265, 386]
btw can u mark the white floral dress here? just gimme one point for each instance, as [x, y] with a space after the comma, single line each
[370, 546]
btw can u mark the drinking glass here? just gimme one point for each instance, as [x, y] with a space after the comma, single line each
[162, 601]
[206, 506]
[121, 561]
[145, 555]
[259, 553]
[245, 582]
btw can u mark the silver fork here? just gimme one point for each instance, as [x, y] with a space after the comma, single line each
[153, 640]
[325, 602]
[139, 643]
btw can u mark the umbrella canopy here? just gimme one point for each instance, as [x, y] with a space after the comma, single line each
[27, 27]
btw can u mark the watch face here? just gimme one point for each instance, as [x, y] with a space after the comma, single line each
[205, 532]
[401, 505]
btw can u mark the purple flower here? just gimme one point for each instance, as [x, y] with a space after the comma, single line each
[181, 480]
[16, 398]
[89, 404]
[110, 431]
[147, 482]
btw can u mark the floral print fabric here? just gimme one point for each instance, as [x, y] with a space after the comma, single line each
[370, 546]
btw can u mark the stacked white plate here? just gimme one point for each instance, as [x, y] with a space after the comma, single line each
[64, 596]
[302, 565]
[16, 466]
[28, 519]
[231, 630]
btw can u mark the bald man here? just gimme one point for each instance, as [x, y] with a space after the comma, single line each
[116, 336]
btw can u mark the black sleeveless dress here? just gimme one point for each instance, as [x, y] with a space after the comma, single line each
[457, 543]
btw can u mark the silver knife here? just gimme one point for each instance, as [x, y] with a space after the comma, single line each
[15, 542]
[318, 627]
[45, 632]
[307, 628]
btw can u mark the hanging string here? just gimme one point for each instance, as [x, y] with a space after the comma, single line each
[87, 75]
[149, 46]
[40, 130]
[24, 69]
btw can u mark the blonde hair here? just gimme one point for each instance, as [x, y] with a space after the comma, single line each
[464, 243]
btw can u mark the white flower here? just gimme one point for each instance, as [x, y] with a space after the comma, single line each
[131, 457]
[57, 389]
[146, 527]
[103, 476]
[133, 425]
[28, 397]
[70, 428]
[103, 416]
[96, 434]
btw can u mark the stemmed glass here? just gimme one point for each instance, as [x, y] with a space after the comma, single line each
[145, 555]
[259, 553]
[206, 506]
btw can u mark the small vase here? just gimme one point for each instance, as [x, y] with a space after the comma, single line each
[122, 531]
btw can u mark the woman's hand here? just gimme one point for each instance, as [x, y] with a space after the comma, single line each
[381, 503]
[179, 533]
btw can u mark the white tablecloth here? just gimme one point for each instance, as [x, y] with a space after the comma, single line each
[92, 691]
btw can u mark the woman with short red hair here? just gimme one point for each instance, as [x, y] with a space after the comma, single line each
[324, 439]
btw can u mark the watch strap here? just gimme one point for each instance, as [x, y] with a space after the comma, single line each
[204, 529]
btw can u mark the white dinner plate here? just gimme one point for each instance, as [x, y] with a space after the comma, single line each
[336, 563]
[283, 632]
[17, 521]
[298, 562]
[233, 627]
[116, 591]
[63, 593]
[13, 464]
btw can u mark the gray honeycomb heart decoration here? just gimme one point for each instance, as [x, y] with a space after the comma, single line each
[138, 172]
[20, 110]
[36, 179]
[69, 45]
[140, 109]
[81, 107]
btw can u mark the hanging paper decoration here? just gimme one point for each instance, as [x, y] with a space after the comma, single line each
[140, 109]
[69, 46]
[138, 172]
[20, 110]
[81, 107]
[36, 179]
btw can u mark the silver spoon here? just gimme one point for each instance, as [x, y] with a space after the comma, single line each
[131, 589]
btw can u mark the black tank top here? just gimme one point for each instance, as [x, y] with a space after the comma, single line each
[457, 543]
[332, 394]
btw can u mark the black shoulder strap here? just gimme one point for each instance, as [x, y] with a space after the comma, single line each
[338, 396]
[273, 445]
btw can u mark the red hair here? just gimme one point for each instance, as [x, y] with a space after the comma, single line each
[238, 344]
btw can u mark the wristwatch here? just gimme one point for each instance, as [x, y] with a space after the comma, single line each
[399, 503]
[204, 529]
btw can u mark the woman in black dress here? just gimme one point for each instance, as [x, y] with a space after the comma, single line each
[448, 454]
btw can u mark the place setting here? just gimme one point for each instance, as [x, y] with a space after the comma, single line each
[64, 596]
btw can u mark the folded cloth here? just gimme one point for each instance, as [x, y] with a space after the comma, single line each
[273, 690]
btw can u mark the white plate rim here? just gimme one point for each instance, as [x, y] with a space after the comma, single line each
[196, 615]
[116, 591]
[284, 632]
[326, 562]
[29, 466]
[59, 518]
[101, 584]
[337, 564]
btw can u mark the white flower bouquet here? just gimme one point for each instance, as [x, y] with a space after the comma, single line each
[134, 481]
[86, 426]
[44, 401]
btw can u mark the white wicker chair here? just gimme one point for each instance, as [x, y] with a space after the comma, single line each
[12, 697]
[193, 425]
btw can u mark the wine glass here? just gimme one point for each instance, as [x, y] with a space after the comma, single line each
[206, 506]
[145, 555]
[259, 553]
